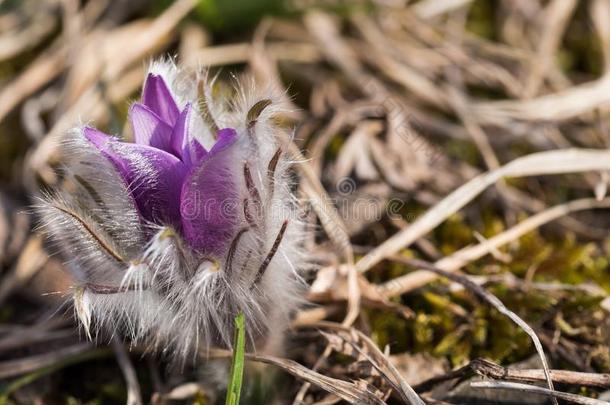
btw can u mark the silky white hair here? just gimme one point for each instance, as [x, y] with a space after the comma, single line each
[142, 280]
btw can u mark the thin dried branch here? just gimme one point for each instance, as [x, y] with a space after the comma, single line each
[428, 9]
[12, 368]
[356, 338]
[558, 15]
[332, 224]
[134, 395]
[486, 368]
[532, 389]
[574, 102]
[543, 163]
[353, 393]
[457, 260]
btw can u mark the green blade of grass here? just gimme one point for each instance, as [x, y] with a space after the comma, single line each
[237, 364]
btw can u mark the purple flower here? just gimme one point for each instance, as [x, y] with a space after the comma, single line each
[172, 178]
[171, 235]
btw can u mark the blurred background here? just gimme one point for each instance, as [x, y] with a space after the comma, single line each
[395, 104]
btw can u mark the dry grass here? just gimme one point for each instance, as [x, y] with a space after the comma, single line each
[464, 141]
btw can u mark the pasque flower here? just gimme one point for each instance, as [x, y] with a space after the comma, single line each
[171, 235]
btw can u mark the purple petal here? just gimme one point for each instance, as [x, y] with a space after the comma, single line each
[210, 199]
[226, 138]
[184, 144]
[158, 98]
[153, 177]
[149, 129]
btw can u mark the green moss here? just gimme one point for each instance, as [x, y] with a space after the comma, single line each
[463, 150]
[454, 234]
[390, 329]
[456, 325]
[481, 19]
